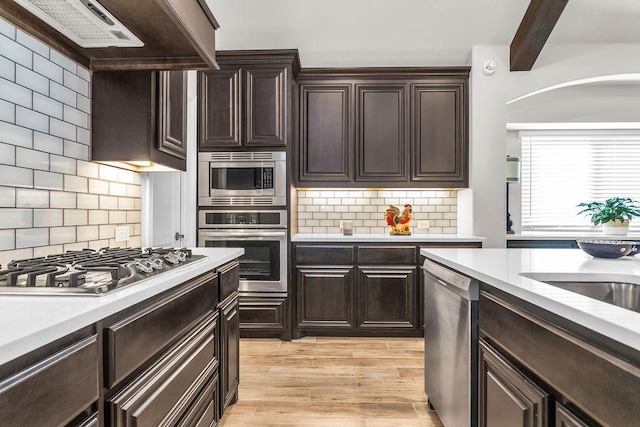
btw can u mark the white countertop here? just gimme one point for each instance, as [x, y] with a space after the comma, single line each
[385, 238]
[31, 321]
[570, 236]
[500, 268]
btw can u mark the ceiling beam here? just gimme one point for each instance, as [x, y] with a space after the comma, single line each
[534, 30]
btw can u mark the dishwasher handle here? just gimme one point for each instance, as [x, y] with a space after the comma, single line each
[456, 282]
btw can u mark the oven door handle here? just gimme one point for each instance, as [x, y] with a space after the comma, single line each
[243, 234]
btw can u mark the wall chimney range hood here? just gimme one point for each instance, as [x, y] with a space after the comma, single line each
[84, 22]
[106, 35]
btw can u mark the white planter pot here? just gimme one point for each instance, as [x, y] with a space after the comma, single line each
[616, 228]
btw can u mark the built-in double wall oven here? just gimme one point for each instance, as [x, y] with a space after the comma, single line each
[262, 234]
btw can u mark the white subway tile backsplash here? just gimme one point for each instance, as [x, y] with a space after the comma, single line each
[98, 187]
[7, 240]
[108, 202]
[7, 112]
[76, 117]
[77, 184]
[16, 218]
[7, 29]
[76, 217]
[117, 217]
[33, 44]
[61, 235]
[75, 150]
[63, 61]
[16, 177]
[89, 232]
[30, 237]
[7, 154]
[47, 106]
[88, 169]
[43, 251]
[7, 197]
[62, 165]
[45, 139]
[14, 51]
[43, 66]
[88, 201]
[47, 180]
[47, 217]
[98, 217]
[62, 129]
[47, 143]
[108, 173]
[117, 189]
[34, 81]
[62, 200]
[76, 84]
[83, 103]
[28, 198]
[16, 135]
[62, 94]
[32, 159]
[7, 69]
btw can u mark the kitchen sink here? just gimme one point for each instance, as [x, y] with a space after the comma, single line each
[622, 293]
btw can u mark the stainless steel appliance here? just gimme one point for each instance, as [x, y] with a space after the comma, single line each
[451, 344]
[90, 272]
[242, 178]
[262, 234]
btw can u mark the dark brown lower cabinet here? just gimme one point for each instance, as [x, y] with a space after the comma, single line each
[264, 317]
[326, 298]
[565, 418]
[387, 297]
[53, 391]
[507, 397]
[229, 350]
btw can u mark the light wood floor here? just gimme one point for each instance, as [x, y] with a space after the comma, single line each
[337, 382]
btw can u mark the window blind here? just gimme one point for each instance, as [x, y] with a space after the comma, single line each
[560, 169]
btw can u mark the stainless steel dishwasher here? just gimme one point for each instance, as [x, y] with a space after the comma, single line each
[451, 344]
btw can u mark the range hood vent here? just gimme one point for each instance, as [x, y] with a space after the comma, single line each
[85, 22]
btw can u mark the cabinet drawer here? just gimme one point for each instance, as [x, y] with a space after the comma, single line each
[387, 255]
[54, 391]
[263, 314]
[228, 275]
[204, 410]
[161, 394]
[324, 254]
[136, 338]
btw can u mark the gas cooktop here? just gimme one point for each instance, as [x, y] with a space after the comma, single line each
[90, 272]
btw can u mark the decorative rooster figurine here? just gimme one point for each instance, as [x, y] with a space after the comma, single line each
[399, 224]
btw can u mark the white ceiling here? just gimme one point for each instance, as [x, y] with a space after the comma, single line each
[347, 33]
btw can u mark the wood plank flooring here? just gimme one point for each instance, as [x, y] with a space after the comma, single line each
[337, 382]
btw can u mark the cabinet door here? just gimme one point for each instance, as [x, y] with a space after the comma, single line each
[230, 351]
[219, 105]
[325, 298]
[381, 145]
[387, 297]
[173, 113]
[266, 107]
[263, 316]
[565, 418]
[325, 133]
[439, 150]
[506, 396]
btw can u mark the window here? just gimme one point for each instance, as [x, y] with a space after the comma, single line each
[563, 168]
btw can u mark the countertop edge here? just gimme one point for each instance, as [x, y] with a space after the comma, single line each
[90, 309]
[386, 238]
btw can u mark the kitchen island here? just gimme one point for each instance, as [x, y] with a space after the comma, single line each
[84, 358]
[547, 354]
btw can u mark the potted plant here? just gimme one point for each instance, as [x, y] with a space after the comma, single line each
[614, 214]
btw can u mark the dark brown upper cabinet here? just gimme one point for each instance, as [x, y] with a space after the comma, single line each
[177, 34]
[247, 103]
[140, 116]
[381, 130]
[383, 127]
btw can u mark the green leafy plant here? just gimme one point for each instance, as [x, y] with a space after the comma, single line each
[615, 208]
